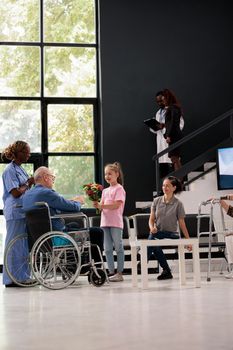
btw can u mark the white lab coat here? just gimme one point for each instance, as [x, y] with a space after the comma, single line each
[160, 140]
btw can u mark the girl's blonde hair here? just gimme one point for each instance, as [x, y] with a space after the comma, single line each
[12, 150]
[116, 167]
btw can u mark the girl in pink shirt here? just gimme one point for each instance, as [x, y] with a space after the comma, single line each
[112, 207]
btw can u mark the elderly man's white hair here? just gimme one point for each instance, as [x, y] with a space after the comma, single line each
[43, 170]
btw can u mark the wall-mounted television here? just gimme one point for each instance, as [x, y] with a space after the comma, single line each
[225, 168]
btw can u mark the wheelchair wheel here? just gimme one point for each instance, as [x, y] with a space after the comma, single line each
[17, 262]
[55, 260]
[97, 277]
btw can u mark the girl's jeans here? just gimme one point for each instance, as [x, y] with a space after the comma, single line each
[113, 238]
[157, 251]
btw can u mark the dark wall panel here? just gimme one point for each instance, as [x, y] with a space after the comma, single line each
[149, 45]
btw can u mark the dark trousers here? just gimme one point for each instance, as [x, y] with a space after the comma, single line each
[157, 251]
[96, 238]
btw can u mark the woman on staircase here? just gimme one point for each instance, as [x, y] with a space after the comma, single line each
[173, 131]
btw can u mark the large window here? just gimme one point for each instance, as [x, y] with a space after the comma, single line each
[49, 88]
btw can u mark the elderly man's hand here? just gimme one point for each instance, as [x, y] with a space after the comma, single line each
[79, 199]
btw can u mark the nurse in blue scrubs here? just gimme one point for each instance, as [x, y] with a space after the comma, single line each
[15, 183]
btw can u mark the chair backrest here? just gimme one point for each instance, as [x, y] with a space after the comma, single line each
[38, 222]
[141, 225]
[126, 227]
[191, 223]
[95, 222]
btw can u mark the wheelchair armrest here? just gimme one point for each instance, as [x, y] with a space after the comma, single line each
[74, 216]
[70, 215]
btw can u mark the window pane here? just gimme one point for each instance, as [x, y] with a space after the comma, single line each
[19, 71]
[20, 120]
[70, 72]
[70, 128]
[69, 21]
[71, 174]
[19, 20]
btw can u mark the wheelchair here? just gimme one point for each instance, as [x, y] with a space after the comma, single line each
[53, 259]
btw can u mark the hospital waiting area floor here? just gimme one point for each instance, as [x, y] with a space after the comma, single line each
[118, 316]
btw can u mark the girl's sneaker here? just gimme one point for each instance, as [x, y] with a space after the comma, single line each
[116, 278]
[110, 274]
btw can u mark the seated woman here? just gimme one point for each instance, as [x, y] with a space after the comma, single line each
[166, 212]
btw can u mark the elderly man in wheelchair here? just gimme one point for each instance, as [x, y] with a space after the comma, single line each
[59, 250]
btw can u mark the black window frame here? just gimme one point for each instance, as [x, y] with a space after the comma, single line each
[41, 158]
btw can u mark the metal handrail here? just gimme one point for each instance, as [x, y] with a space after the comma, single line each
[226, 115]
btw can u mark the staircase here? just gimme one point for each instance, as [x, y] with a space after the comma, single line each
[202, 188]
[192, 141]
[200, 185]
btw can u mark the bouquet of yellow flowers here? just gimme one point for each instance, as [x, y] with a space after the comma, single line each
[93, 191]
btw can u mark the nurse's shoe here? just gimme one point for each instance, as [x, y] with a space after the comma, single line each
[12, 285]
[28, 282]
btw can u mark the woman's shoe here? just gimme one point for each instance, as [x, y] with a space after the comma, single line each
[165, 275]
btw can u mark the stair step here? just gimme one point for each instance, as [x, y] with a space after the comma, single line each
[194, 174]
[200, 169]
[209, 165]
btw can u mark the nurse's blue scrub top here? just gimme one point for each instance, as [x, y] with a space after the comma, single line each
[13, 176]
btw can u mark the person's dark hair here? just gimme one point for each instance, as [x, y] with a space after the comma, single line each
[159, 93]
[170, 98]
[116, 167]
[12, 150]
[175, 182]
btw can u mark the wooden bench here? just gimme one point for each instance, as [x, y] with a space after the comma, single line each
[180, 243]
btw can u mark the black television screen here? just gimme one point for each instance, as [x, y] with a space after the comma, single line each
[225, 168]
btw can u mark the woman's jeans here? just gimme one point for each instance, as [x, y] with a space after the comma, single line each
[157, 251]
[113, 238]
